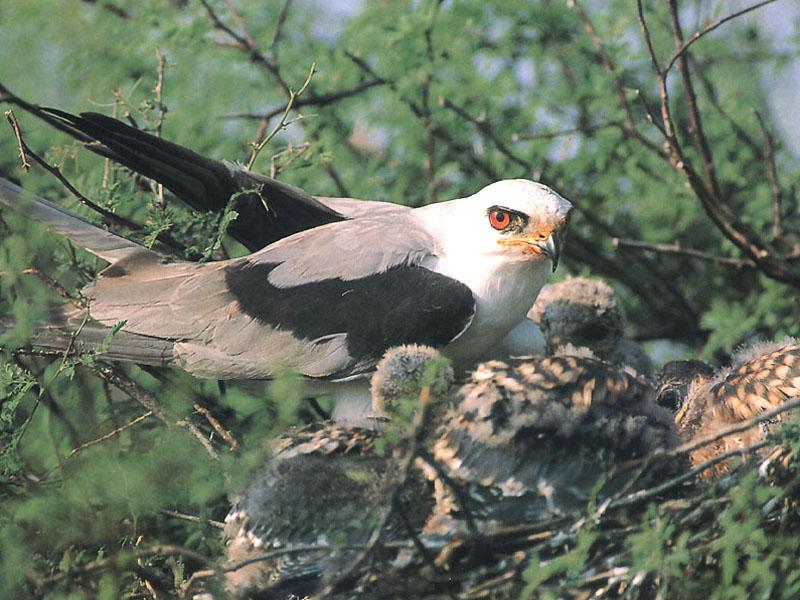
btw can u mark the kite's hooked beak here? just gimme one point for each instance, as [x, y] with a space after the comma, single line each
[551, 248]
[537, 243]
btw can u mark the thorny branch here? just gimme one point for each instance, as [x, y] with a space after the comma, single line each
[283, 123]
[783, 268]
[245, 43]
[113, 433]
[109, 217]
[158, 90]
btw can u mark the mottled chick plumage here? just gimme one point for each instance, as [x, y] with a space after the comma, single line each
[325, 485]
[529, 439]
[329, 484]
[761, 378]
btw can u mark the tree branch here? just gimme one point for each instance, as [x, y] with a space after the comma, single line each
[677, 249]
[23, 157]
[311, 100]
[684, 46]
[696, 129]
[772, 176]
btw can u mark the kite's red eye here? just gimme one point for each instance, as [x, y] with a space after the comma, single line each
[499, 219]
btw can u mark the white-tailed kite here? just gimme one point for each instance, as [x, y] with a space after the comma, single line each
[327, 301]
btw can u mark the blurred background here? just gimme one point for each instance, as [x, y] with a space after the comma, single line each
[693, 219]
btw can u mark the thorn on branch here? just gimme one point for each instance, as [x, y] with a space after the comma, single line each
[9, 114]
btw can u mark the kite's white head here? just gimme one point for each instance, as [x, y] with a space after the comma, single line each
[515, 220]
[502, 243]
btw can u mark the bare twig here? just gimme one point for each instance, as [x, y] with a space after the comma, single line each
[243, 41]
[677, 249]
[549, 135]
[695, 122]
[713, 98]
[684, 46]
[59, 289]
[692, 445]
[217, 426]
[665, 127]
[105, 213]
[111, 8]
[738, 428]
[109, 435]
[652, 492]
[162, 110]
[9, 114]
[282, 124]
[772, 176]
[133, 391]
[293, 153]
[240, 23]
[279, 23]
[191, 518]
[429, 164]
[311, 100]
[483, 125]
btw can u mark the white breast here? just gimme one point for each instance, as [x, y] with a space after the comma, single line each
[504, 293]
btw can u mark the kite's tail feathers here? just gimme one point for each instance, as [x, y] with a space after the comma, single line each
[102, 243]
[69, 332]
[268, 209]
[121, 346]
[201, 182]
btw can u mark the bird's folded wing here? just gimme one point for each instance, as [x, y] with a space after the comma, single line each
[327, 302]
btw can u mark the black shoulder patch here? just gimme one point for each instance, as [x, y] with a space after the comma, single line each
[403, 305]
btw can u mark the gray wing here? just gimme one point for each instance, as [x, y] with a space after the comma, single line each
[353, 208]
[327, 302]
[349, 250]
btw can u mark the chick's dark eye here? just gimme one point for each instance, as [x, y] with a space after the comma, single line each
[499, 219]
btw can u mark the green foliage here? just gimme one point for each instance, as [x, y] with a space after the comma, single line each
[470, 92]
